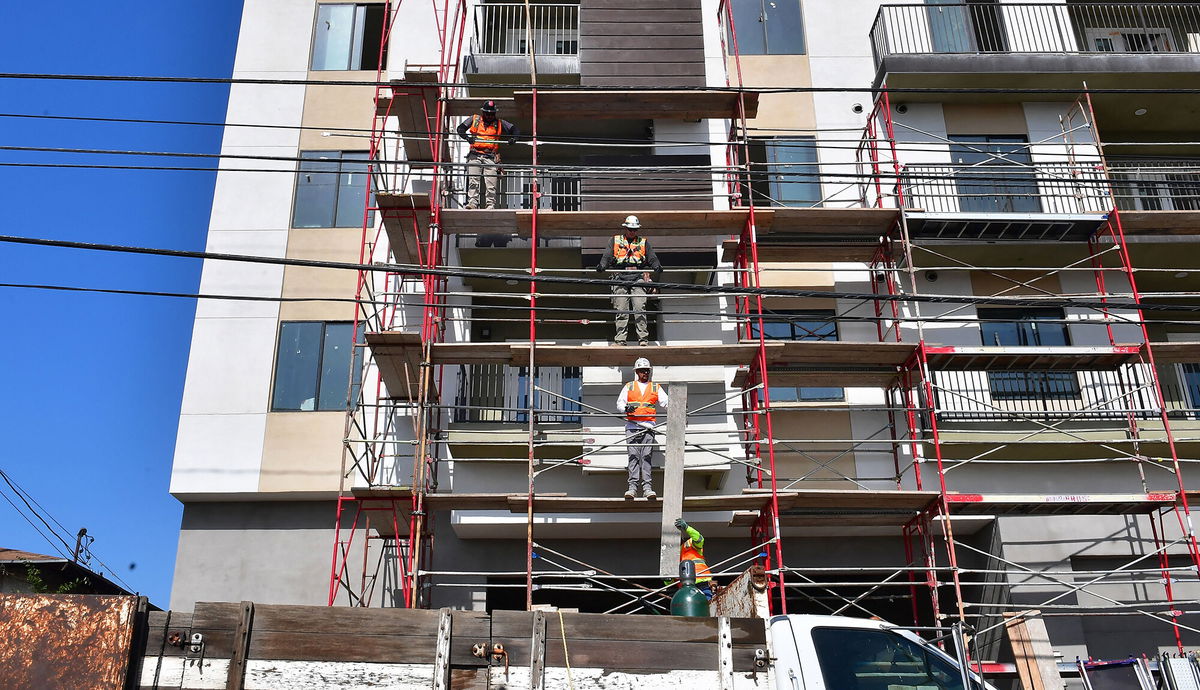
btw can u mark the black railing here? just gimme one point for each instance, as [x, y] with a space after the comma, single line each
[1048, 396]
[1036, 188]
[1062, 28]
[500, 393]
[1156, 184]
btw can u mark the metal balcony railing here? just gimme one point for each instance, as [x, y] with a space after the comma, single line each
[1045, 395]
[1037, 188]
[1062, 28]
[1156, 185]
[499, 393]
[503, 29]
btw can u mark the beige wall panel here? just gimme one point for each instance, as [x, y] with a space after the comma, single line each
[992, 284]
[775, 275]
[329, 244]
[985, 118]
[337, 107]
[813, 425]
[783, 111]
[302, 452]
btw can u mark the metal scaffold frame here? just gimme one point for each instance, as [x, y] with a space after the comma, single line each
[913, 400]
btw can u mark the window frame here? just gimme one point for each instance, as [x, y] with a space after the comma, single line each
[824, 317]
[768, 174]
[315, 155]
[764, 30]
[1030, 385]
[357, 357]
[933, 661]
[358, 36]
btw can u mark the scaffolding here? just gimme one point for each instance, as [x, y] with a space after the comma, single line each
[901, 222]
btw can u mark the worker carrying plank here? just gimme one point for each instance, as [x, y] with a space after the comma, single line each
[692, 549]
[485, 131]
[633, 260]
[640, 400]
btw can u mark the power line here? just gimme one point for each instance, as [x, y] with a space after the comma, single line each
[565, 280]
[581, 87]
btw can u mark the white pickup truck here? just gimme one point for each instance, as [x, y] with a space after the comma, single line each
[836, 653]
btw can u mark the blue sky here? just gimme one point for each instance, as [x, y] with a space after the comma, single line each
[90, 384]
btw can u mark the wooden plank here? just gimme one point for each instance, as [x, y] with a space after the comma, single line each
[161, 625]
[381, 621]
[657, 15]
[344, 646]
[656, 223]
[1160, 222]
[587, 5]
[672, 498]
[635, 42]
[1176, 352]
[637, 105]
[634, 628]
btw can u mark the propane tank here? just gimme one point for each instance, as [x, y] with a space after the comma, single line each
[689, 600]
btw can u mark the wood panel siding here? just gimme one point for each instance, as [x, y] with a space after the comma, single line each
[635, 43]
[649, 191]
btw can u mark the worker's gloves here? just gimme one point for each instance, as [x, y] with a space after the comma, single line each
[680, 524]
[599, 268]
[512, 140]
[471, 139]
[630, 408]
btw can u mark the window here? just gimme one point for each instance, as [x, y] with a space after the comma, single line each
[880, 660]
[347, 37]
[312, 366]
[768, 27]
[1027, 327]
[785, 172]
[331, 189]
[993, 174]
[801, 325]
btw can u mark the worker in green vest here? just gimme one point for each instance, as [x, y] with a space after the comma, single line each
[692, 549]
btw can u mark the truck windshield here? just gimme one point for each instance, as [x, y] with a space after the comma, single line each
[878, 660]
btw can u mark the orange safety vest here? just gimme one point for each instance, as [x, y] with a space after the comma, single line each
[629, 253]
[487, 137]
[647, 401]
[689, 552]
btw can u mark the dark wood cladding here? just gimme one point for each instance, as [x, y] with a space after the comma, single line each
[650, 190]
[643, 644]
[641, 43]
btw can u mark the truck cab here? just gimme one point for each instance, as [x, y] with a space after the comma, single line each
[838, 653]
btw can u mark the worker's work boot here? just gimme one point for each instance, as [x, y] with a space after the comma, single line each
[630, 494]
[643, 343]
[649, 494]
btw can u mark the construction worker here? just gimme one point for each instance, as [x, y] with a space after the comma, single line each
[640, 400]
[692, 549]
[484, 132]
[633, 260]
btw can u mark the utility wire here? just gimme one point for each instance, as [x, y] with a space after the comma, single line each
[564, 280]
[399, 84]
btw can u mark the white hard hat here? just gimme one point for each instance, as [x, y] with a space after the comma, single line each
[641, 363]
[632, 223]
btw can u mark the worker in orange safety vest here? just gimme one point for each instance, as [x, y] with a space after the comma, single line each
[692, 549]
[485, 131]
[640, 400]
[634, 262]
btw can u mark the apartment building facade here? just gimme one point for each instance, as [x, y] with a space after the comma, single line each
[967, 205]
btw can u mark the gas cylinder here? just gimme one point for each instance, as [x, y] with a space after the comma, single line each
[689, 600]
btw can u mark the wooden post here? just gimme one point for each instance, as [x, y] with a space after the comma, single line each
[236, 679]
[672, 495]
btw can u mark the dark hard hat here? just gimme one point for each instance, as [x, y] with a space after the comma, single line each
[488, 107]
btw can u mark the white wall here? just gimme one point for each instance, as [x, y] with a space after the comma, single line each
[223, 416]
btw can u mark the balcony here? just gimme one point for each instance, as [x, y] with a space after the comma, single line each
[1156, 184]
[1062, 42]
[1032, 201]
[500, 41]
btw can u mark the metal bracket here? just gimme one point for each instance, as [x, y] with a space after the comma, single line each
[441, 660]
[537, 651]
[724, 653]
